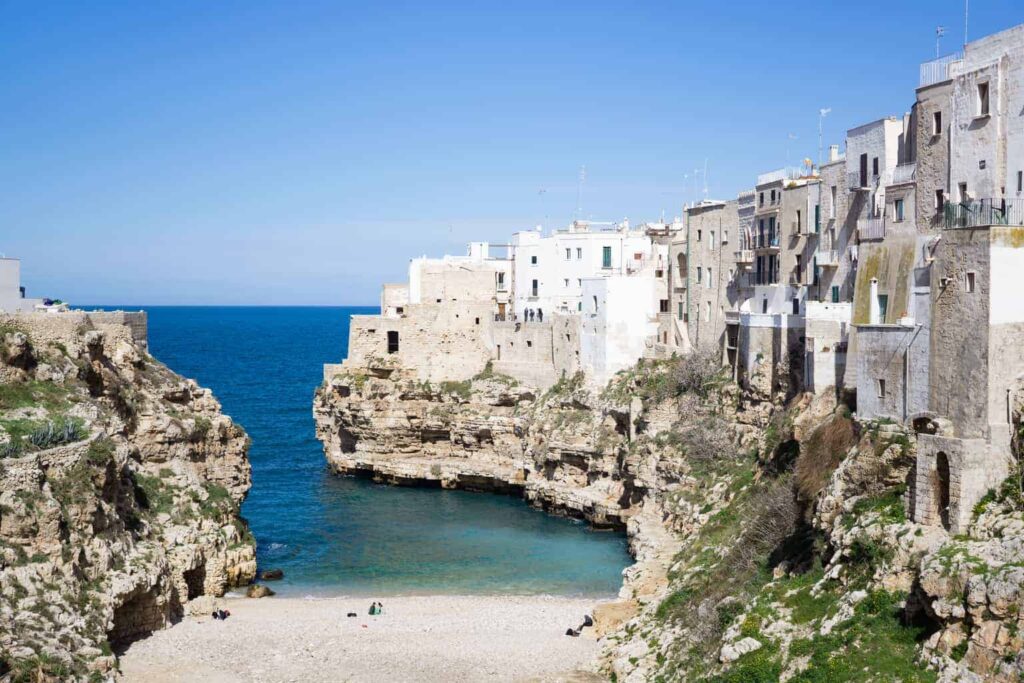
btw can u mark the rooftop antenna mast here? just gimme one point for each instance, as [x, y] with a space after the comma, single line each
[705, 178]
[579, 192]
[939, 32]
[822, 113]
[967, 4]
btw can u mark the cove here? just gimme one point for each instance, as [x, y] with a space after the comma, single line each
[340, 535]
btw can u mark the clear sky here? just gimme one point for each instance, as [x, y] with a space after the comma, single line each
[302, 152]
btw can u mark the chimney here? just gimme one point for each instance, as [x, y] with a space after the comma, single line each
[833, 153]
[875, 310]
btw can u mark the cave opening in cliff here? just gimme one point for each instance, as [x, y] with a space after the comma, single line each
[136, 618]
[195, 580]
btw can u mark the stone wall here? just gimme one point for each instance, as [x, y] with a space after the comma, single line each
[932, 172]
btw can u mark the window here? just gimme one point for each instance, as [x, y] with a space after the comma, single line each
[659, 273]
[663, 306]
[501, 282]
[764, 305]
[963, 191]
[832, 203]
[529, 343]
[707, 312]
[799, 273]
[709, 278]
[579, 253]
[711, 242]
[579, 306]
[393, 341]
[725, 236]
[579, 282]
[679, 313]
[606, 257]
[565, 282]
[568, 253]
[880, 386]
[773, 196]
[983, 99]
[874, 167]
[937, 124]
[1020, 181]
[699, 232]
[595, 304]
[940, 199]
[835, 294]
[799, 220]
[817, 218]
[883, 307]
[534, 286]
[533, 260]
[970, 282]
[699, 271]
[897, 210]
[796, 306]
[863, 170]
[477, 321]
[399, 309]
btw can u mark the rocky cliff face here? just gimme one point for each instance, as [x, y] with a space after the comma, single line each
[772, 540]
[120, 485]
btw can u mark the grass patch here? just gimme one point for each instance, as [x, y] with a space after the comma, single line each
[54, 397]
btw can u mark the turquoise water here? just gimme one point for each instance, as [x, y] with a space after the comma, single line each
[340, 535]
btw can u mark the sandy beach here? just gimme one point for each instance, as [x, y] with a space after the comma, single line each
[417, 638]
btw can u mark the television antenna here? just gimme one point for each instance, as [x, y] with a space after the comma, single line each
[939, 32]
[822, 113]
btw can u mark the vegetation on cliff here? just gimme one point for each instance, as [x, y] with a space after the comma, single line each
[120, 485]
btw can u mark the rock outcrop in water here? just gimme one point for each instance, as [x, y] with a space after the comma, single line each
[120, 486]
[771, 536]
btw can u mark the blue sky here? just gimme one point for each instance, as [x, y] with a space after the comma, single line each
[301, 153]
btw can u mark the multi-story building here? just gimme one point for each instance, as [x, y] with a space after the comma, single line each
[548, 271]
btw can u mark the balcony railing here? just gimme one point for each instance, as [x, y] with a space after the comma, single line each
[768, 240]
[937, 70]
[904, 173]
[827, 258]
[871, 228]
[776, 176]
[983, 212]
[744, 257]
[855, 182]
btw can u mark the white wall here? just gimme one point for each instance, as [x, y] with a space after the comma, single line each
[10, 287]
[559, 277]
[614, 332]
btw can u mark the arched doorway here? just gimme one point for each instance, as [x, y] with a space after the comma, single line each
[942, 487]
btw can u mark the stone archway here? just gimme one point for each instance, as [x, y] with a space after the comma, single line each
[941, 489]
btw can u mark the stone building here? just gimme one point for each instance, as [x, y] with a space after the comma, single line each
[976, 361]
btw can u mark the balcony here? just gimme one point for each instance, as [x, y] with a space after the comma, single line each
[766, 241]
[871, 228]
[744, 257]
[937, 70]
[827, 258]
[904, 173]
[984, 212]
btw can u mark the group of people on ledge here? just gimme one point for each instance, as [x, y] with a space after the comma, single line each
[529, 315]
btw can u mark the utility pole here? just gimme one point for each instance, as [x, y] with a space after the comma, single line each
[822, 113]
[939, 32]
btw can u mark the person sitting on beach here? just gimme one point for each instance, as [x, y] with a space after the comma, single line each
[380, 608]
[373, 609]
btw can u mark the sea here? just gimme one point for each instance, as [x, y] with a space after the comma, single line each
[334, 535]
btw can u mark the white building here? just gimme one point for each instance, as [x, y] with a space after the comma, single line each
[477, 277]
[872, 153]
[549, 271]
[619, 316]
[12, 294]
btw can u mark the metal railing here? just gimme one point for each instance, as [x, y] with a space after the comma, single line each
[781, 174]
[854, 181]
[937, 70]
[871, 228]
[744, 256]
[983, 212]
[766, 240]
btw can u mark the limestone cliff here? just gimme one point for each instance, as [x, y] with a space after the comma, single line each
[771, 537]
[120, 485]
